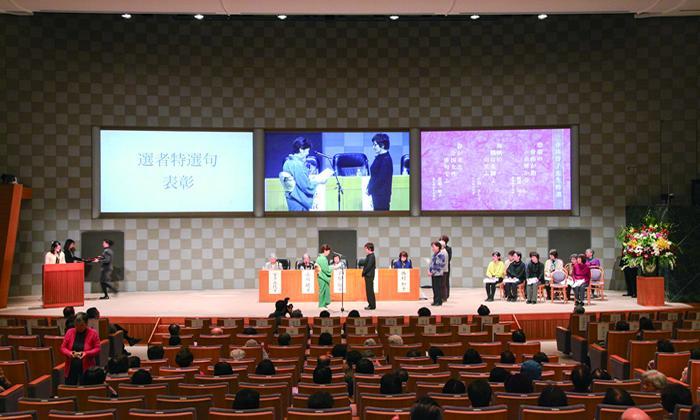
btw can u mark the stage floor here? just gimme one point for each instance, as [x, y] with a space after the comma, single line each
[244, 303]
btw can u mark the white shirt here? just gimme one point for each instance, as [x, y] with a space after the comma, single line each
[51, 258]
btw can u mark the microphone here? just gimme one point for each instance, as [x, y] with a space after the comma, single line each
[324, 155]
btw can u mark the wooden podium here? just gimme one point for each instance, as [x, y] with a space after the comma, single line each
[650, 291]
[63, 285]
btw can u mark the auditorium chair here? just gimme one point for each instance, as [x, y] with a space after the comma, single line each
[387, 413]
[639, 355]
[494, 412]
[23, 340]
[565, 386]
[533, 412]
[451, 400]
[434, 377]
[377, 350]
[597, 284]
[281, 390]
[19, 415]
[561, 370]
[8, 330]
[7, 353]
[230, 380]
[493, 348]
[311, 388]
[177, 414]
[42, 406]
[201, 403]
[187, 372]
[170, 381]
[589, 400]
[657, 335]
[342, 413]
[274, 402]
[217, 391]
[681, 412]
[514, 401]
[256, 414]
[519, 349]
[149, 392]
[613, 412]
[401, 361]
[672, 364]
[402, 349]
[425, 388]
[212, 353]
[687, 334]
[114, 380]
[42, 361]
[628, 385]
[340, 400]
[296, 351]
[17, 372]
[454, 320]
[154, 365]
[385, 401]
[122, 405]
[82, 392]
[41, 331]
[617, 344]
[469, 377]
[197, 322]
[474, 337]
[645, 398]
[89, 415]
[239, 340]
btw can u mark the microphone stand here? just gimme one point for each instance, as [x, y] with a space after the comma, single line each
[337, 180]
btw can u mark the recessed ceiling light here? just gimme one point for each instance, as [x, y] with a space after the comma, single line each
[126, 15]
[199, 16]
[542, 16]
[281, 17]
[393, 17]
[474, 17]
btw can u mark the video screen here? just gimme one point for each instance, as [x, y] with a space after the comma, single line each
[143, 171]
[336, 171]
[496, 170]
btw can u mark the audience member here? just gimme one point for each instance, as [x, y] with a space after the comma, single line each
[479, 392]
[173, 329]
[581, 378]
[365, 367]
[216, 331]
[618, 396]
[518, 384]
[674, 394]
[390, 384]
[320, 400]
[134, 362]
[141, 377]
[540, 357]
[426, 409]
[325, 339]
[370, 342]
[324, 314]
[424, 311]
[532, 370]
[499, 375]
[403, 375]
[653, 381]
[471, 357]
[322, 375]
[622, 325]
[155, 352]
[118, 365]
[552, 397]
[414, 353]
[454, 386]
[246, 399]
[284, 339]
[237, 354]
[518, 336]
[222, 369]
[94, 375]
[339, 350]
[483, 310]
[323, 360]
[601, 375]
[174, 340]
[265, 367]
[249, 331]
[434, 353]
[184, 358]
[507, 357]
[395, 340]
[634, 413]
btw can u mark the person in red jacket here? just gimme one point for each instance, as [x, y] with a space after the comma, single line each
[81, 346]
[581, 275]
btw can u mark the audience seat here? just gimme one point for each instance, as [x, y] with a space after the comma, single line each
[122, 405]
[19, 415]
[672, 364]
[177, 414]
[201, 403]
[257, 414]
[84, 415]
[331, 413]
[230, 380]
[627, 384]
[82, 393]
[17, 372]
[43, 406]
[340, 400]
[149, 392]
[589, 400]
[495, 412]
[373, 413]
[451, 400]
[217, 391]
[514, 401]
[530, 412]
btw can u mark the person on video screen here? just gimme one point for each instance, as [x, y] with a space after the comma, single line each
[381, 171]
[301, 196]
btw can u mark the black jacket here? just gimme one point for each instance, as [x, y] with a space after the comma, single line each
[516, 269]
[535, 270]
[71, 257]
[368, 265]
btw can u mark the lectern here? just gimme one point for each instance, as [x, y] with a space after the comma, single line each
[63, 285]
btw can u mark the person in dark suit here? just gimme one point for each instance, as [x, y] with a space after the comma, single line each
[381, 172]
[630, 279]
[69, 251]
[369, 264]
[107, 266]
[446, 275]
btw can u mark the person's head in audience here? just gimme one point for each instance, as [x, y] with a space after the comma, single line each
[531, 369]
[634, 413]
[249, 331]
[222, 369]
[323, 360]
[424, 311]
[141, 377]
[673, 394]
[280, 308]
[479, 392]
[645, 324]
[134, 362]
[518, 336]
[552, 397]
[664, 346]
[216, 331]
[370, 342]
[518, 384]
[354, 314]
[155, 352]
[246, 399]
[414, 353]
[622, 325]
[579, 309]
[92, 313]
[540, 357]
[403, 374]
[118, 365]
[507, 357]
[653, 381]
[390, 384]
[325, 339]
[483, 310]
[454, 386]
[426, 408]
[251, 343]
[237, 354]
[695, 353]
[284, 339]
[95, 375]
[339, 350]
[365, 366]
[618, 396]
[68, 312]
[599, 374]
[320, 400]
[581, 378]
[352, 357]
[322, 375]
[324, 314]
[395, 340]
[368, 354]
[434, 353]
[265, 367]
[184, 358]
[499, 375]
[80, 321]
[296, 314]
[471, 357]
[173, 329]
[174, 340]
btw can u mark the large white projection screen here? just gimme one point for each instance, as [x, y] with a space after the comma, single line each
[160, 172]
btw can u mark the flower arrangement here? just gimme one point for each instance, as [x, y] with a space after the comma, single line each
[648, 246]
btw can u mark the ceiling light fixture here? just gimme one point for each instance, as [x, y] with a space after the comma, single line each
[199, 16]
[126, 15]
[542, 16]
[393, 17]
[474, 17]
[281, 17]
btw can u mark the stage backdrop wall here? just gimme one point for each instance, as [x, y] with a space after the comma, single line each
[631, 85]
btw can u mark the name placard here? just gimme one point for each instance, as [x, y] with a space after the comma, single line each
[403, 281]
[274, 282]
[307, 282]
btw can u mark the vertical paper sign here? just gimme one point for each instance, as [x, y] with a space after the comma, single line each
[274, 279]
[376, 281]
[673, 316]
[583, 323]
[464, 329]
[667, 325]
[603, 328]
[339, 285]
[615, 317]
[307, 282]
[456, 320]
[230, 322]
[403, 280]
[396, 330]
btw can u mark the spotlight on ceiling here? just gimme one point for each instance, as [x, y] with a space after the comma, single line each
[393, 17]
[126, 15]
[542, 16]
[199, 16]
[474, 17]
[281, 17]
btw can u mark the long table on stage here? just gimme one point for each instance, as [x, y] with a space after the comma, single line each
[303, 287]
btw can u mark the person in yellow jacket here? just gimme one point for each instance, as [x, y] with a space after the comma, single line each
[495, 272]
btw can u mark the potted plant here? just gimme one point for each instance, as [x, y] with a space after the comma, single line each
[648, 246]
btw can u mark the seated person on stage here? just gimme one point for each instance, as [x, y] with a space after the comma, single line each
[552, 264]
[272, 264]
[337, 263]
[535, 277]
[305, 263]
[495, 272]
[55, 254]
[402, 261]
[581, 275]
[515, 275]
[569, 270]
[591, 260]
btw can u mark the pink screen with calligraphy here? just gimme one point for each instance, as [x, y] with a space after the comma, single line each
[496, 170]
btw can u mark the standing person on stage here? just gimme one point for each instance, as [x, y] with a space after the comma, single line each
[106, 261]
[305, 263]
[446, 280]
[495, 272]
[69, 250]
[323, 269]
[535, 277]
[630, 278]
[516, 274]
[81, 345]
[55, 254]
[445, 271]
[552, 264]
[402, 261]
[381, 173]
[438, 263]
[581, 275]
[369, 264]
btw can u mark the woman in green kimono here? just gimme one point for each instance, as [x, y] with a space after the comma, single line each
[323, 269]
